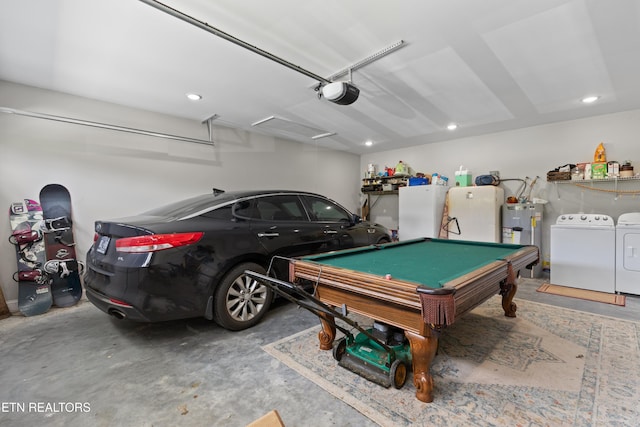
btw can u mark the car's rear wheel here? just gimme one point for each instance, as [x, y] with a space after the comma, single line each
[241, 301]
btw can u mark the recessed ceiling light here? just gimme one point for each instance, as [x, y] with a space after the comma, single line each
[194, 96]
[368, 143]
[452, 126]
[590, 99]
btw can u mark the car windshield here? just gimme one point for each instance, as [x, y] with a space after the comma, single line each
[191, 206]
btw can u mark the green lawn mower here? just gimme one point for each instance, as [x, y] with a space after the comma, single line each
[380, 354]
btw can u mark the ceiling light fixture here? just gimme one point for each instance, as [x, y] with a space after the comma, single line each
[323, 135]
[368, 143]
[452, 126]
[194, 96]
[290, 128]
[590, 99]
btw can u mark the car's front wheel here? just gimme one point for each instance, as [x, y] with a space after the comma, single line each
[383, 240]
[241, 301]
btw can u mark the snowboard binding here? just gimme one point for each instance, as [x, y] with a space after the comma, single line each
[61, 223]
[23, 237]
[63, 267]
[36, 275]
[24, 240]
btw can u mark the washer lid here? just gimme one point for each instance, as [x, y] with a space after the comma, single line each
[585, 220]
[629, 219]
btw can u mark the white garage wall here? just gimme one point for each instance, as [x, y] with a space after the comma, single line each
[113, 174]
[530, 152]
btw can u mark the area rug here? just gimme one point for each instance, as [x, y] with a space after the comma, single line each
[548, 367]
[585, 294]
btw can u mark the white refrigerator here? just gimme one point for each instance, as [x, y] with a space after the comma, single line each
[477, 210]
[420, 210]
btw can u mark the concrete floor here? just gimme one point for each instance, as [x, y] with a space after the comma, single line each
[79, 367]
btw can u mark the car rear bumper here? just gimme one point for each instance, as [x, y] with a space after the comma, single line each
[119, 310]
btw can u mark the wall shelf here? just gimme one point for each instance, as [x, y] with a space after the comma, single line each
[374, 186]
[595, 181]
[379, 193]
[601, 185]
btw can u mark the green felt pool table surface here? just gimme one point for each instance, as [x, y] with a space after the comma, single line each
[433, 283]
[431, 263]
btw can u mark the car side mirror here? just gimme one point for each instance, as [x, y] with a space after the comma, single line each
[356, 219]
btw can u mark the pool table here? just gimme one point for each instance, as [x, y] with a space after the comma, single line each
[420, 286]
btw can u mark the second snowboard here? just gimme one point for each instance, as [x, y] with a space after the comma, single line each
[62, 264]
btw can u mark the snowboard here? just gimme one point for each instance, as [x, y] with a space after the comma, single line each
[34, 290]
[61, 264]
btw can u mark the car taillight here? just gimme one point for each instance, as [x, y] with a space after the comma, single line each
[118, 302]
[156, 242]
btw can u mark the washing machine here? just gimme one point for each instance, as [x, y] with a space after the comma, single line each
[583, 252]
[628, 253]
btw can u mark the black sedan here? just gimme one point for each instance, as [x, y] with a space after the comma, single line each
[187, 259]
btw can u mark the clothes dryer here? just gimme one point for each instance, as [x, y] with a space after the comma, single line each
[583, 252]
[628, 253]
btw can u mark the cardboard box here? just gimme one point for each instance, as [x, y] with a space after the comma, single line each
[270, 419]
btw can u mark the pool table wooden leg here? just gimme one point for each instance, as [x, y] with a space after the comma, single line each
[423, 351]
[328, 332]
[508, 291]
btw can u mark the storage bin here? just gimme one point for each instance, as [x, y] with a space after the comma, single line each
[463, 177]
[418, 181]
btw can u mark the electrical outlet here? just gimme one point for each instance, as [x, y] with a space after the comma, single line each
[495, 173]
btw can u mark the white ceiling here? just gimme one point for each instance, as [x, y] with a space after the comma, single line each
[487, 65]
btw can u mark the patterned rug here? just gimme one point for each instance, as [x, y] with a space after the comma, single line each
[547, 367]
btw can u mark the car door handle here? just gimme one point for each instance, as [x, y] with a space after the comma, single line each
[330, 232]
[268, 234]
